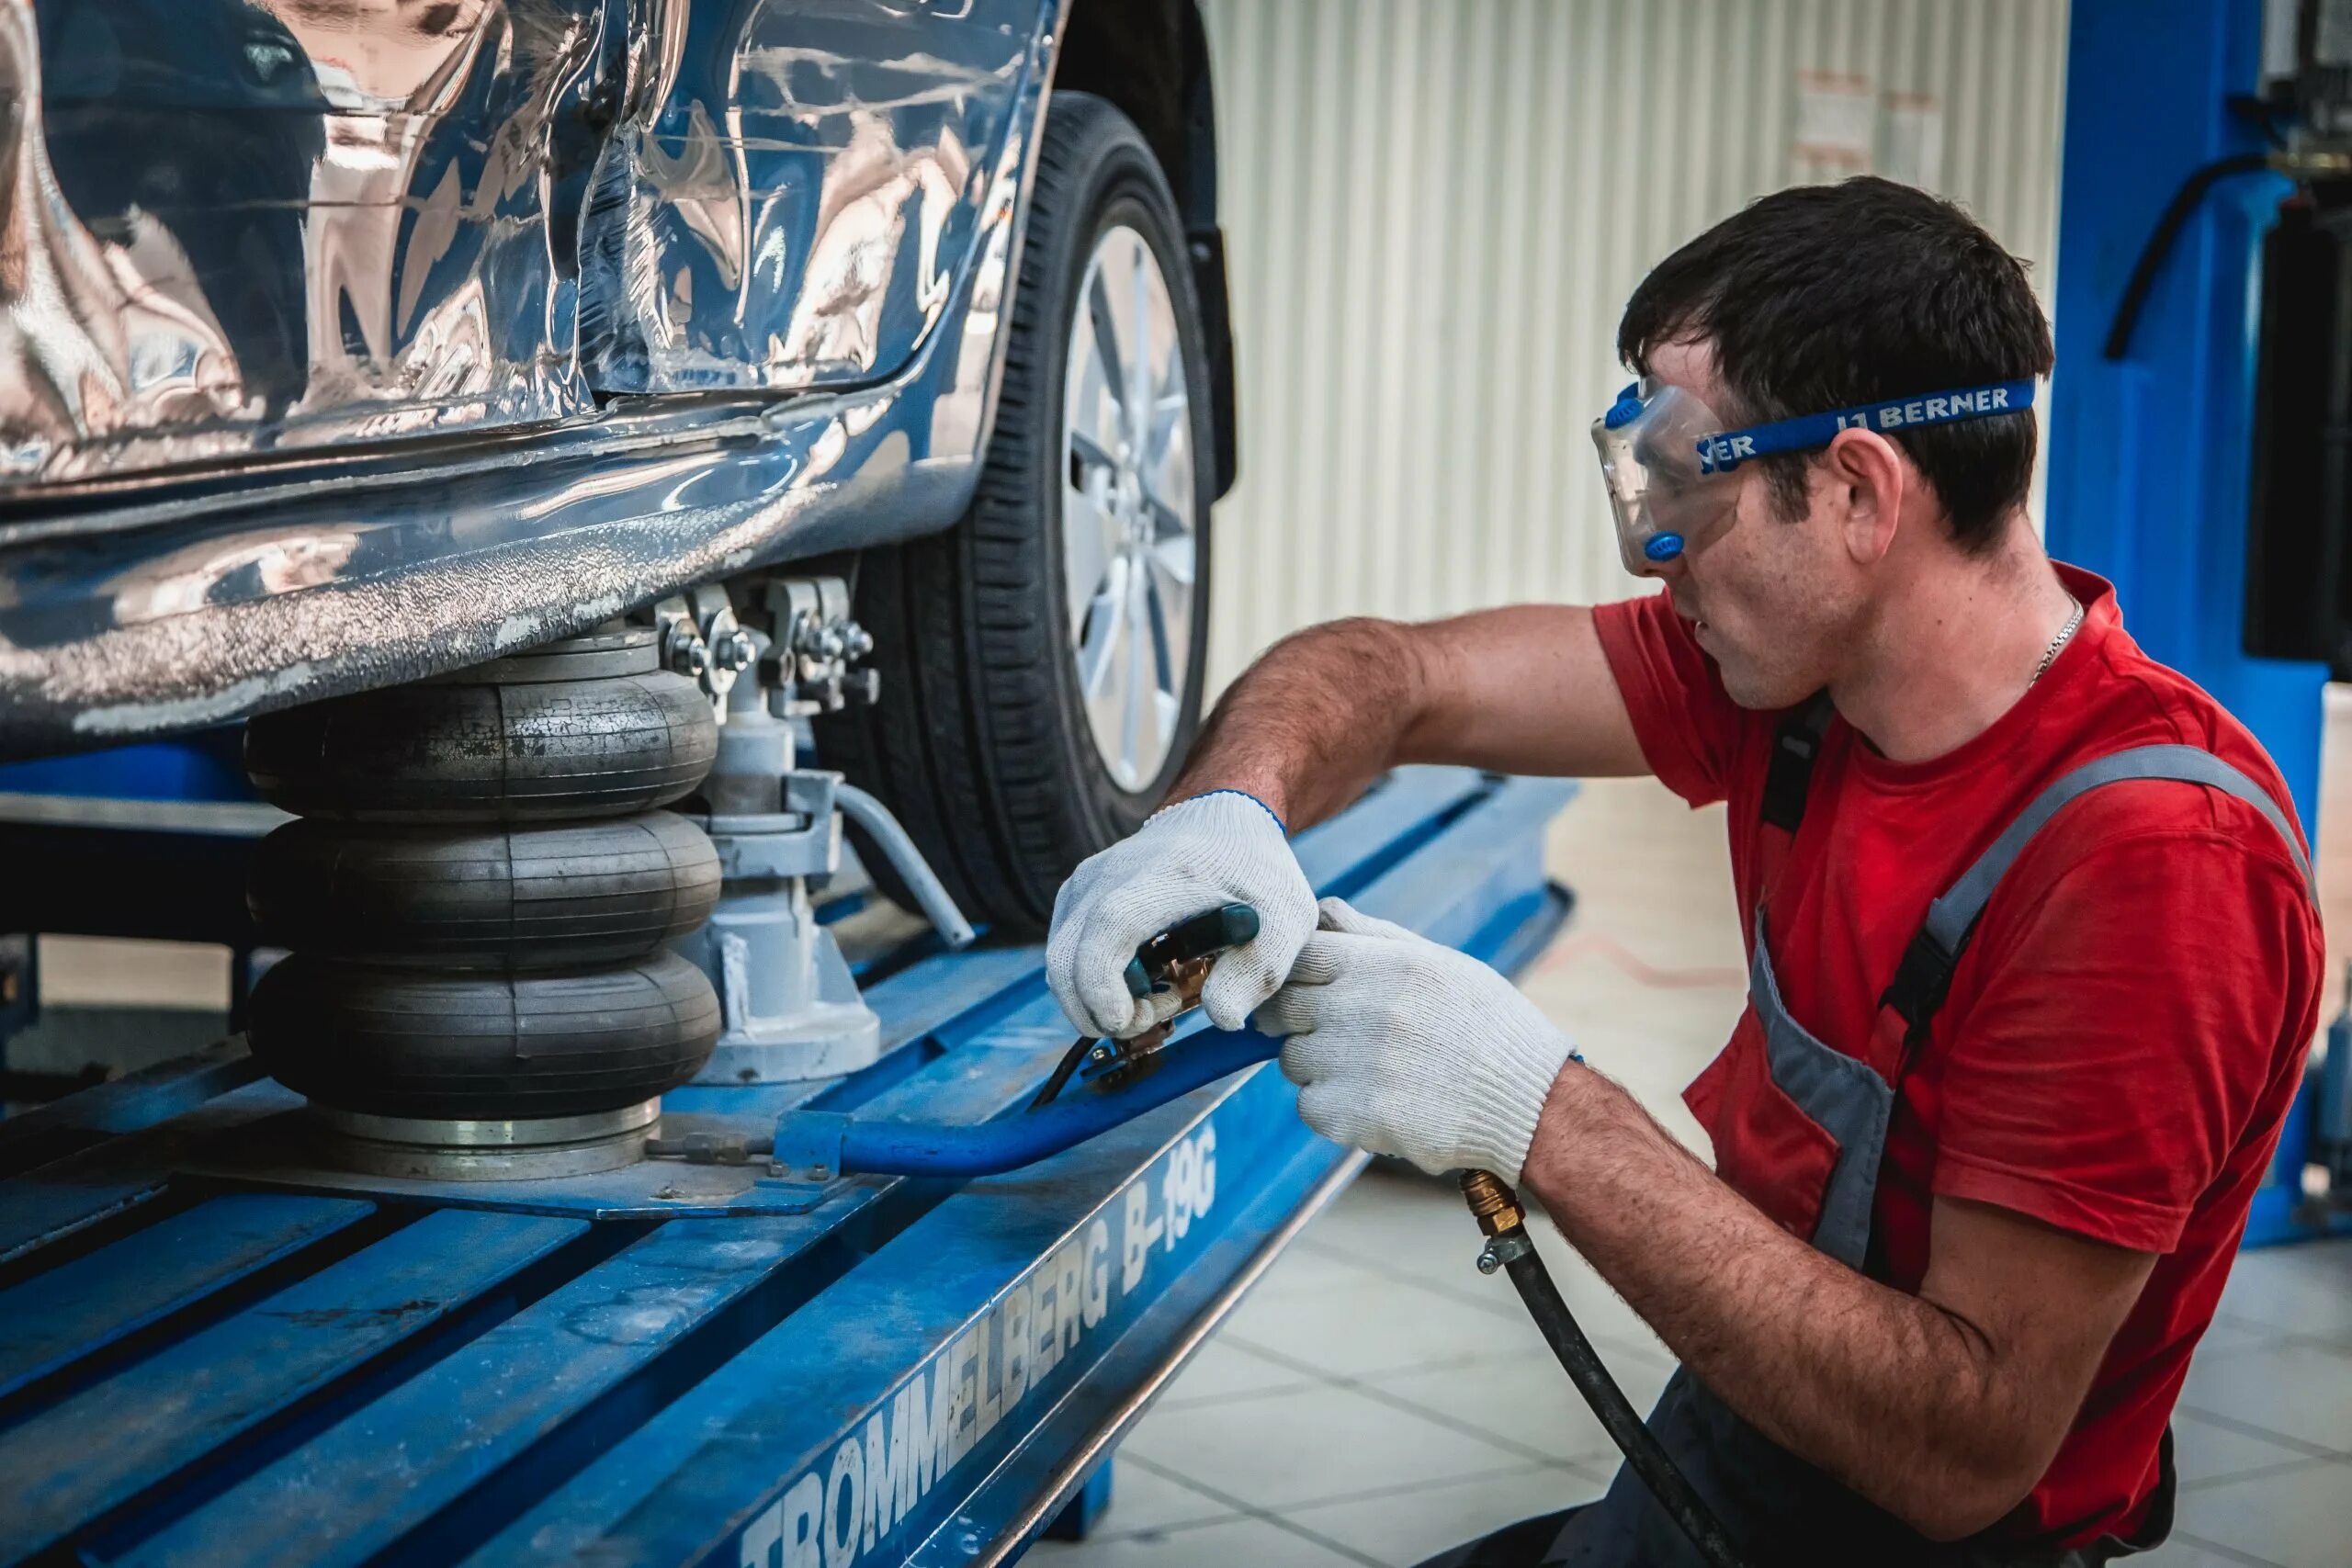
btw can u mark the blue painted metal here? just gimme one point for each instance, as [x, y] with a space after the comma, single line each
[128, 1103]
[105, 1445]
[58, 1199]
[830, 1143]
[931, 1355]
[366, 1481]
[954, 1286]
[645, 1391]
[2149, 457]
[203, 766]
[80, 1308]
[1085, 1510]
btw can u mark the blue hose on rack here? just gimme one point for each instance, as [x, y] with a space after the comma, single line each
[942, 1149]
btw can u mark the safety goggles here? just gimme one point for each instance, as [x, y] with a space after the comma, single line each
[1666, 459]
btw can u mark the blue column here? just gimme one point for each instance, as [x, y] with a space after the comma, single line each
[2148, 457]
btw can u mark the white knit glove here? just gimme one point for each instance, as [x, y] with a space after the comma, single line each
[1401, 1047]
[1187, 859]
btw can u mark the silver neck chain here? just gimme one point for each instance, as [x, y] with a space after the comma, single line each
[2065, 635]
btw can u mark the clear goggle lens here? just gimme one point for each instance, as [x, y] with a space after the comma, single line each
[1664, 503]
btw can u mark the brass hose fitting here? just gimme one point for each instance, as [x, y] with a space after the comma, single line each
[1494, 1205]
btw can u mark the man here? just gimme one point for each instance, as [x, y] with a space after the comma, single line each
[2034, 957]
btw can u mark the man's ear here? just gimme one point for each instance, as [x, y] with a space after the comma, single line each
[1869, 470]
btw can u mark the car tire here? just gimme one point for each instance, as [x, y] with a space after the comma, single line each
[983, 740]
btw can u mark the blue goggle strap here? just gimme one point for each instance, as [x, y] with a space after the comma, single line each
[1722, 453]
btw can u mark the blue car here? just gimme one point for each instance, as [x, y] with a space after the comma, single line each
[344, 344]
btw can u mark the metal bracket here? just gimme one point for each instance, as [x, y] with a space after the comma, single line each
[803, 840]
[816, 643]
[700, 638]
[808, 1145]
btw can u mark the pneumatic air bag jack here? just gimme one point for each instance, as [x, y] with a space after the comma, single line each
[1508, 1248]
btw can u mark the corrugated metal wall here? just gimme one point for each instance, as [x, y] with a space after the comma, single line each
[1435, 208]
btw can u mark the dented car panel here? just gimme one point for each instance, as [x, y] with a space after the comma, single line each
[253, 226]
[390, 437]
[249, 227]
[791, 204]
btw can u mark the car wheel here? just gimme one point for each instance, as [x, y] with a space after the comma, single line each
[1041, 662]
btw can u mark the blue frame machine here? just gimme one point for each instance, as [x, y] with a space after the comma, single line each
[197, 1368]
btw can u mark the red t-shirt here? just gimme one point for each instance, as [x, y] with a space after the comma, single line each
[2122, 1036]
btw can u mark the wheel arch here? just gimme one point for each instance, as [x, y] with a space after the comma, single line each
[1150, 58]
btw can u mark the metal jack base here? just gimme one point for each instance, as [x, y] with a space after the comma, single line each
[823, 1041]
[520, 1150]
[790, 1006]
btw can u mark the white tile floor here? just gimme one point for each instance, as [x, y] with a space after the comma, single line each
[1377, 1399]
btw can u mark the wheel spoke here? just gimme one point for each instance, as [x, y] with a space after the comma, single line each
[1106, 343]
[1089, 451]
[1142, 277]
[1170, 415]
[1099, 649]
[1157, 610]
[1086, 553]
[1137, 636]
[1106, 678]
[1170, 573]
[1167, 522]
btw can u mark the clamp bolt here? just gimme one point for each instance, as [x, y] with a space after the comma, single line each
[735, 651]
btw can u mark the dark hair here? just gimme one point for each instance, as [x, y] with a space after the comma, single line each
[1827, 297]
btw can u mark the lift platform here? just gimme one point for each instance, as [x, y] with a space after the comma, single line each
[203, 1361]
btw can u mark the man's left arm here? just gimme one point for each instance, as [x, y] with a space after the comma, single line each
[1943, 1408]
[2093, 1093]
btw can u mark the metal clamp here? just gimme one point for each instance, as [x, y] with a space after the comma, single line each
[700, 638]
[816, 643]
[1501, 1250]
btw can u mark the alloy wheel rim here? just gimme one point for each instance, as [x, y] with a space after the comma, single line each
[1130, 539]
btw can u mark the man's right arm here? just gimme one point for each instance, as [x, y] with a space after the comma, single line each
[1323, 712]
[1299, 736]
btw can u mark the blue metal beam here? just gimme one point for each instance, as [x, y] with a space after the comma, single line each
[76, 1310]
[105, 1445]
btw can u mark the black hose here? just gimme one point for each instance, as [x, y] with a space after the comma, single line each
[1643, 1451]
[2151, 255]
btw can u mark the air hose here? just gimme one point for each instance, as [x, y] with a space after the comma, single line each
[1496, 1208]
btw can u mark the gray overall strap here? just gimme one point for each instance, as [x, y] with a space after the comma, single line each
[1924, 974]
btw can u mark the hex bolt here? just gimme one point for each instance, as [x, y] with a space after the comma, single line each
[735, 652]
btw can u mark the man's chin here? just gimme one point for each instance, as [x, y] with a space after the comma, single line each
[1759, 692]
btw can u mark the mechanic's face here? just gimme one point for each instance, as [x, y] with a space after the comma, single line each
[1776, 603]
